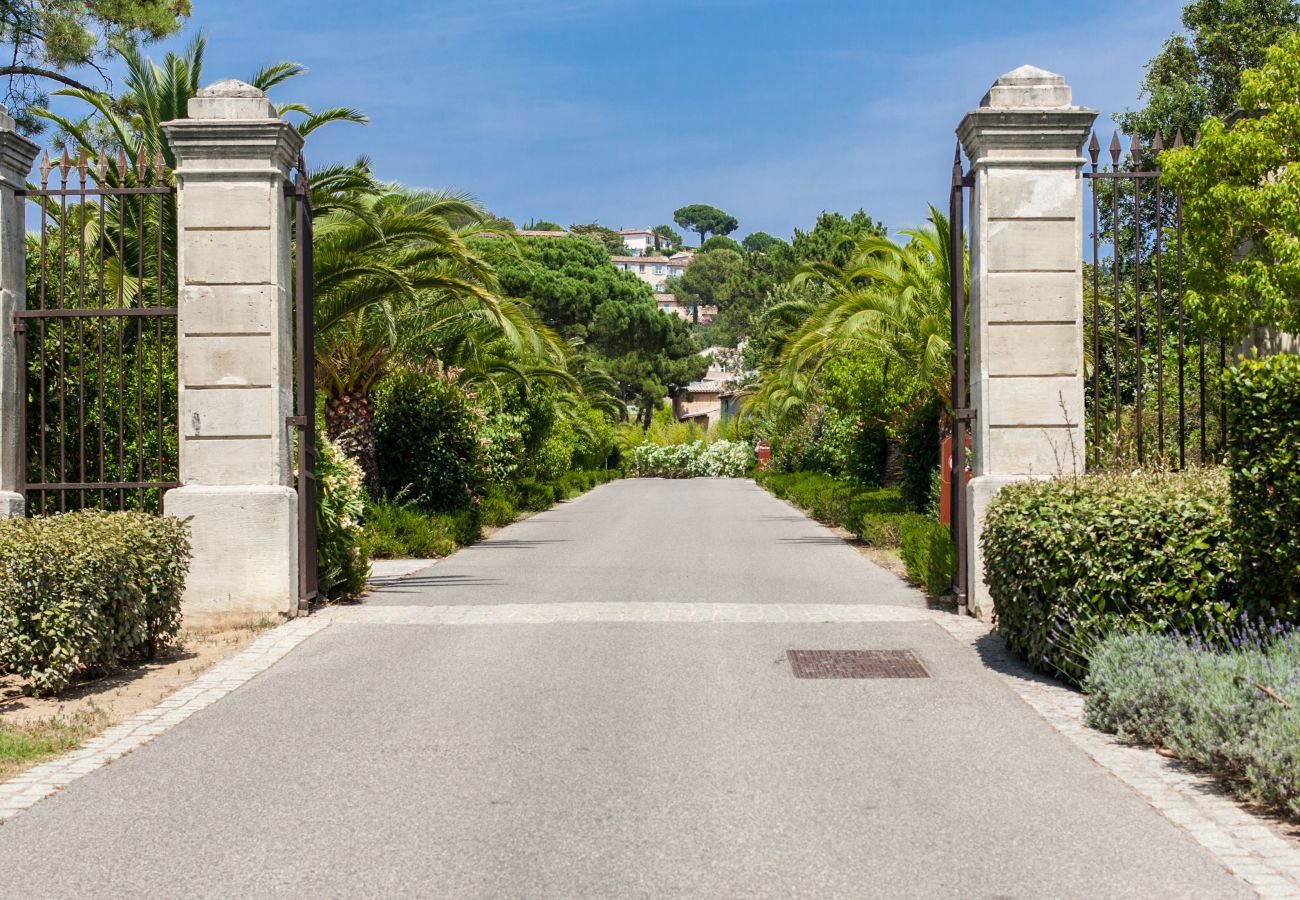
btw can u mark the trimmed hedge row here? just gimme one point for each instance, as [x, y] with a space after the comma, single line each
[396, 530]
[878, 518]
[1264, 454]
[1071, 561]
[85, 591]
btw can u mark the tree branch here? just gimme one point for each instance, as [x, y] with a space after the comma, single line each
[45, 73]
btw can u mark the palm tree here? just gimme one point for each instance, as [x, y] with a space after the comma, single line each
[891, 298]
[397, 283]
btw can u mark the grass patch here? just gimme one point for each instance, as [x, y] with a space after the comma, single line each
[25, 745]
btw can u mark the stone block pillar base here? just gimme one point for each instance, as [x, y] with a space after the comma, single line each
[980, 492]
[245, 541]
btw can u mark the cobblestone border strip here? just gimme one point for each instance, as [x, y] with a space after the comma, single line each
[23, 791]
[1247, 845]
[616, 611]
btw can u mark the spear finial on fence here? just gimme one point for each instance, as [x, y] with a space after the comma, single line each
[1157, 144]
[1094, 148]
[46, 166]
[1135, 150]
[1178, 139]
[159, 166]
[83, 162]
[956, 166]
[65, 168]
[141, 165]
[101, 166]
[121, 166]
[1115, 150]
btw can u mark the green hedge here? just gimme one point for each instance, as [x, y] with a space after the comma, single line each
[1067, 562]
[1264, 452]
[83, 592]
[878, 518]
[928, 554]
[1203, 705]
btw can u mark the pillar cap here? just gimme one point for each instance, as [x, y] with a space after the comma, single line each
[17, 153]
[1028, 87]
[231, 99]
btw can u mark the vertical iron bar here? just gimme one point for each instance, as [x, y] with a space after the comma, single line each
[122, 205]
[1223, 399]
[1205, 419]
[20, 337]
[139, 347]
[81, 328]
[304, 315]
[63, 329]
[1093, 148]
[103, 226]
[40, 397]
[957, 278]
[1160, 321]
[1182, 405]
[1137, 291]
[158, 328]
[1115, 283]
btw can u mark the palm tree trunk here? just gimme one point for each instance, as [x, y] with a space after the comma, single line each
[350, 420]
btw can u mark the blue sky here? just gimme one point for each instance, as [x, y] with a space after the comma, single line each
[581, 110]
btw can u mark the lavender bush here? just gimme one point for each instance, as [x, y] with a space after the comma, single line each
[1235, 711]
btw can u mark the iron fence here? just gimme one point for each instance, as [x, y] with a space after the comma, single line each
[1153, 378]
[97, 341]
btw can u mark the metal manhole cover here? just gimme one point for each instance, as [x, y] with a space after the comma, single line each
[855, 664]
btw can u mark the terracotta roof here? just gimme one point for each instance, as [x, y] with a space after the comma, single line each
[555, 234]
[645, 231]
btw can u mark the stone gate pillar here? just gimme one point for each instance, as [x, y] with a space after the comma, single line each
[233, 156]
[17, 154]
[1026, 285]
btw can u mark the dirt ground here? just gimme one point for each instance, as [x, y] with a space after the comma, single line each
[129, 690]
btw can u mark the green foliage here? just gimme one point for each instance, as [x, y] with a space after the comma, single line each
[82, 592]
[875, 516]
[762, 242]
[1197, 74]
[1241, 204]
[705, 220]
[832, 238]
[867, 453]
[1068, 562]
[340, 508]
[721, 242]
[426, 442]
[498, 507]
[395, 530]
[700, 459]
[667, 238]
[1264, 454]
[920, 452]
[51, 38]
[928, 554]
[608, 238]
[542, 225]
[1204, 705]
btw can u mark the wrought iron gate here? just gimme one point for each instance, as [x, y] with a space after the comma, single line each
[1140, 348]
[962, 414]
[97, 423]
[304, 418]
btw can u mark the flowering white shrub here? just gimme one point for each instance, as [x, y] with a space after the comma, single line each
[719, 459]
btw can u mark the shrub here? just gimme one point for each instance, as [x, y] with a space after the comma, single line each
[534, 495]
[464, 525]
[1068, 562]
[1264, 453]
[396, 530]
[84, 591]
[426, 442]
[342, 567]
[498, 506]
[867, 453]
[928, 554]
[1204, 705]
[920, 456]
[698, 459]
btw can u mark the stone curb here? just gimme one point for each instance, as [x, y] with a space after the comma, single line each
[1247, 845]
[22, 791]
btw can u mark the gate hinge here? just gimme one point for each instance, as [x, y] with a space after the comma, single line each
[965, 415]
[296, 421]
